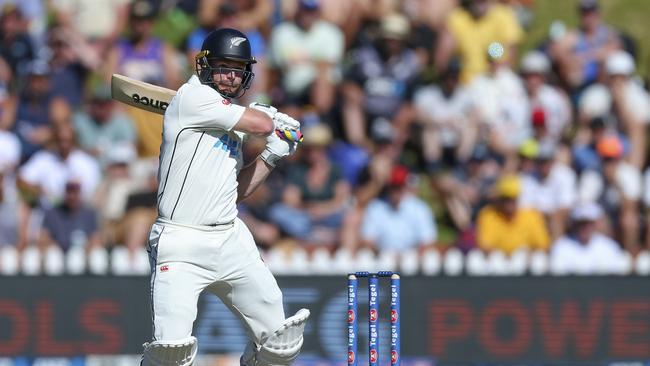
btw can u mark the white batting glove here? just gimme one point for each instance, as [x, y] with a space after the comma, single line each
[277, 148]
[281, 121]
[268, 109]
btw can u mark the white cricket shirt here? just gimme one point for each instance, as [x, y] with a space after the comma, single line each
[200, 157]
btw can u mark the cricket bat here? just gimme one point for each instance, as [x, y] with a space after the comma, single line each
[141, 95]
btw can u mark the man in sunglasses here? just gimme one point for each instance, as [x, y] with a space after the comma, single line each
[198, 243]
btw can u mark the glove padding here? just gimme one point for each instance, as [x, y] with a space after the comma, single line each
[281, 121]
[277, 148]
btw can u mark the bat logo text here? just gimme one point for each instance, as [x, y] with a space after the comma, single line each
[146, 101]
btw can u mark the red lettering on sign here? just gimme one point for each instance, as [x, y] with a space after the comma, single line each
[630, 330]
[517, 343]
[99, 319]
[571, 326]
[18, 320]
[47, 342]
[451, 320]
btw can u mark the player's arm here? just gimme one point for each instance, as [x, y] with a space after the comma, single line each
[204, 108]
[251, 176]
[277, 148]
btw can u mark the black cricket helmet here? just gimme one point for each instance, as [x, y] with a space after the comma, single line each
[228, 44]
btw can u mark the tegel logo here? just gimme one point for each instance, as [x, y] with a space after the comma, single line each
[144, 100]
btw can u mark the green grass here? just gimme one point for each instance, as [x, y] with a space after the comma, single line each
[630, 16]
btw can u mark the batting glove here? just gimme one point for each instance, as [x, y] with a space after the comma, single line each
[281, 121]
[277, 148]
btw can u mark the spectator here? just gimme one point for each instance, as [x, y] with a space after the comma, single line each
[309, 71]
[622, 98]
[584, 250]
[101, 127]
[71, 60]
[44, 175]
[550, 107]
[617, 188]
[502, 104]
[449, 120]
[579, 53]
[316, 197]
[398, 220]
[380, 83]
[15, 45]
[34, 13]
[144, 57]
[28, 114]
[249, 19]
[550, 188]
[100, 22]
[9, 205]
[70, 223]
[471, 28]
[505, 227]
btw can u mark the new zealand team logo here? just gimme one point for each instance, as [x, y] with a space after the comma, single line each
[350, 356]
[373, 355]
[393, 316]
[373, 315]
[393, 357]
[351, 316]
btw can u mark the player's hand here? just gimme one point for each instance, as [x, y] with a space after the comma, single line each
[268, 109]
[281, 121]
[277, 148]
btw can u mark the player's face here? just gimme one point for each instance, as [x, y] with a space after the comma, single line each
[228, 75]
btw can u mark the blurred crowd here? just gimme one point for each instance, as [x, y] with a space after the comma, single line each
[427, 126]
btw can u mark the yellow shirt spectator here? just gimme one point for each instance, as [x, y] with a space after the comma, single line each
[474, 35]
[525, 230]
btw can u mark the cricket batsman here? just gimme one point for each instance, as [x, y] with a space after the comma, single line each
[198, 243]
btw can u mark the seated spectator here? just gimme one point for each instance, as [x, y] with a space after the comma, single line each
[449, 119]
[580, 52]
[622, 98]
[398, 220]
[43, 177]
[9, 203]
[101, 126]
[308, 70]
[503, 226]
[101, 24]
[550, 188]
[584, 250]
[126, 200]
[15, 45]
[471, 28]
[502, 105]
[145, 57]
[379, 84]
[551, 111]
[316, 196]
[71, 60]
[617, 188]
[254, 212]
[70, 223]
[28, 114]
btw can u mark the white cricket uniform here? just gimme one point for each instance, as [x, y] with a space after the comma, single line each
[198, 242]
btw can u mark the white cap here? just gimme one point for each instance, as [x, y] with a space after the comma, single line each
[588, 211]
[535, 62]
[619, 63]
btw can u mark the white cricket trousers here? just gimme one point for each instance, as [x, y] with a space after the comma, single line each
[185, 260]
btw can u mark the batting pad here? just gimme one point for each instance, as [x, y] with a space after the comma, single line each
[171, 353]
[283, 346]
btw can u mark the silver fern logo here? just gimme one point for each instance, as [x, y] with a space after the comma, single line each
[236, 41]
